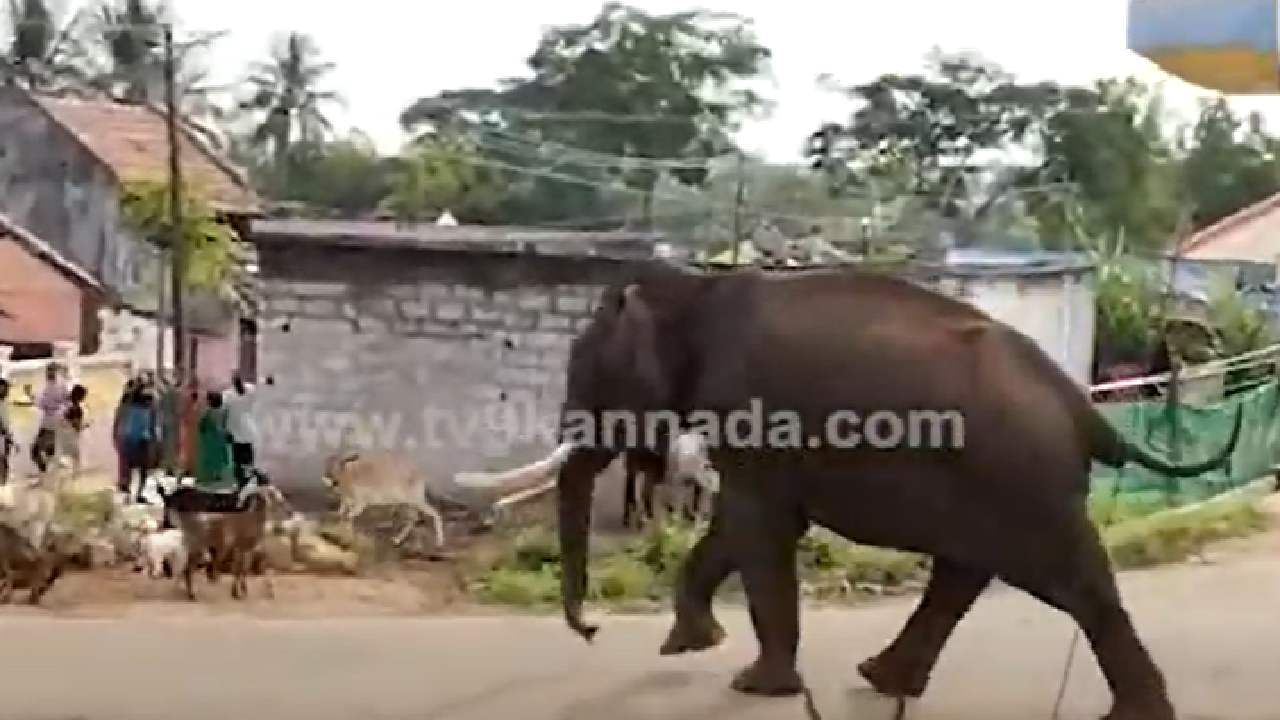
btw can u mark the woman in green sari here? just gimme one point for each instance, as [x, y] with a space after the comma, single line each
[213, 467]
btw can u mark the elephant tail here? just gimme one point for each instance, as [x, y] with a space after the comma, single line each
[1106, 444]
[1114, 450]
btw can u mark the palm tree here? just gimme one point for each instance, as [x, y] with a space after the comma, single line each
[40, 53]
[288, 100]
[129, 35]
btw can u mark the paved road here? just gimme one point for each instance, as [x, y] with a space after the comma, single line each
[1215, 629]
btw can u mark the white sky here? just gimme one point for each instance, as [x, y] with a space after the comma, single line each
[390, 52]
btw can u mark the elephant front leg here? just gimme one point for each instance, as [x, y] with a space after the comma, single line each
[763, 535]
[902, 669]
[708, 565]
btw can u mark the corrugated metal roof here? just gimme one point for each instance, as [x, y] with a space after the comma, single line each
[981, 261]
[132, 141]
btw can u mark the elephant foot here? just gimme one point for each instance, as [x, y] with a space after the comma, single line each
[892, 679]
[1157, 708]
[692, 636]
[767, 680]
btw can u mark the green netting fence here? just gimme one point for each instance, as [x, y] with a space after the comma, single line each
[1200, 432]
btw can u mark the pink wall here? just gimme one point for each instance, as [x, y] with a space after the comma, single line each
[217, 359]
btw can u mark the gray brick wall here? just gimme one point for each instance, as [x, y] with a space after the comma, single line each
[417, 351]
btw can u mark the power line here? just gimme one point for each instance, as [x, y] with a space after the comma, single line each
[602, 159]
[727, 208]
[595, 116]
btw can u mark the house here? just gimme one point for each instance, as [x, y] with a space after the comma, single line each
[1243, 248]
[44, 298]
[1247, 242]
[449, 343]
[65, 164]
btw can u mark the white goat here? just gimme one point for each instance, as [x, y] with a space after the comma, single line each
[159, 546]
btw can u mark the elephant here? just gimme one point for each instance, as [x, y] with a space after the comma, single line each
[1007, 502]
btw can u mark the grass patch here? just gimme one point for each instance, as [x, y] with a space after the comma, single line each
[1174, 535]
[1138, 530]
[640, 573]
[80, 512]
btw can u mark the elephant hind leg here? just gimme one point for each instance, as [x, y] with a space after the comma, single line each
[902, 669]
[1080, 582]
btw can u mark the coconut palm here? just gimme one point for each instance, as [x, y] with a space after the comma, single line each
[39, 51]
[129, 41]
[288, 101]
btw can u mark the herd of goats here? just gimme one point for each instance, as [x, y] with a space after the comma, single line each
[186, 528]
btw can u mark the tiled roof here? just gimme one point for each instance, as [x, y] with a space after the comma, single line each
[44, 251]
[1248, 235]
[132, 140]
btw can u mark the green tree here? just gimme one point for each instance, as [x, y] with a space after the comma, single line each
[126, 48]
[627, 98]
[1229, 165]
[215, 255]
[432, 176]
[288, 100]
[345, 177]
[39, 50]
[536, 181]
[1109, 144]
[932, 130]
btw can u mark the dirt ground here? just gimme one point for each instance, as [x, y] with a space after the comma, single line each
[410, 588]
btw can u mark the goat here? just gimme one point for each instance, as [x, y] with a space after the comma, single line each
[28, 508]
[159, 547]
[233, 535]
[40, 565]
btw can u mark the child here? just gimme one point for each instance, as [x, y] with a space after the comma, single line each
[68, 430]
[51, 403]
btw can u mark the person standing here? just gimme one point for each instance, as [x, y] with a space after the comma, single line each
[169, 411]
[213, 449]
[238, 400]
[117, 431]
[137, 440]
[51, 403]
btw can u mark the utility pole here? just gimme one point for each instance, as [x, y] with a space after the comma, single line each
[737, 208]
[1175, 362]
[162, 277]
[177, 249]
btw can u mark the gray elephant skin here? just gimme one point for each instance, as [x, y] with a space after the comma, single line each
[1010, 503]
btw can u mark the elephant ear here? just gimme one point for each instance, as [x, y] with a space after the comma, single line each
[631, 351]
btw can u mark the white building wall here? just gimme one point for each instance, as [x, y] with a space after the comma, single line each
[1055, 310]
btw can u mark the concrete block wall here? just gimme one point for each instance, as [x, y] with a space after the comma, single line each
[457, 359]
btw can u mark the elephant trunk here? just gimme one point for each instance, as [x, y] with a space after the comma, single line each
[574, 492]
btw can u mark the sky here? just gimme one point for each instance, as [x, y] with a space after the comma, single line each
[391, 52]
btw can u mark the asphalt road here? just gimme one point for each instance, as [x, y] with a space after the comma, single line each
[1215, 629]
